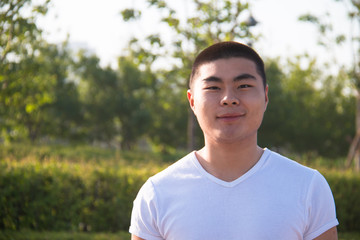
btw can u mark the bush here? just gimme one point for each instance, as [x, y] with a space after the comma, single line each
[345, 188]
[44, 199]
[95, 191]
[62, 195]
[110, 196]
[39, 199]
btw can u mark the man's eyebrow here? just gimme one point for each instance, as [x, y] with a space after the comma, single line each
[212, 79]
[244, 76]
[237, 78]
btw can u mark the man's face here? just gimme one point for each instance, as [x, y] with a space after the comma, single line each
[229, 100]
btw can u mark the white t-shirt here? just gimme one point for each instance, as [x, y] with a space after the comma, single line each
[276, 199]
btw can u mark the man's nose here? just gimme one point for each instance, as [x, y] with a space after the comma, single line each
[229, 99]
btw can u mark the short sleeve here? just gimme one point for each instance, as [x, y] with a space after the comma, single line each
[144, 214]
[320, 207]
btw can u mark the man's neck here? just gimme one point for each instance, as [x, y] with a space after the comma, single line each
[230, 161]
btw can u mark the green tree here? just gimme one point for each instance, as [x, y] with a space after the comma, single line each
[97, 89]
[65, 112]
[134, 96]
[212, 21]
[306, 109]
[23, 91]
[354, 151]
[272, 130]
[325, 29]
[25, 95]
[18, 29]
[115, 103]
[40, 100]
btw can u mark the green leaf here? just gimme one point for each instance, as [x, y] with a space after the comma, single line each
[30, 108]
[130, 14]
[309, 18]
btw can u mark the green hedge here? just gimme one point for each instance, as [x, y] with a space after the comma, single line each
[56, 196]
[53, 194]
[346, 191]
[40, 199]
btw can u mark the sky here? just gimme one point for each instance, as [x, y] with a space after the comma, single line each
[97, 25]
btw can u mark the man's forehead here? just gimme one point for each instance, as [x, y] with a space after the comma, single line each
[226, 66]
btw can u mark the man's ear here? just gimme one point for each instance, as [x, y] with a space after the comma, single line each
[266, 96]
[190, 97]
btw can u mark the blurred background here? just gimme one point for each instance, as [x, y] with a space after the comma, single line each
[93, 100]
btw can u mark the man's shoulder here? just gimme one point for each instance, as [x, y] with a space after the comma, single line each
[293, 176]
[289, 166]
[179, 169]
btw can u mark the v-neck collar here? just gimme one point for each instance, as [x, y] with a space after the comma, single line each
[242, 178]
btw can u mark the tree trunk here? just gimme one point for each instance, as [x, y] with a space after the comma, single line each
[354, 151]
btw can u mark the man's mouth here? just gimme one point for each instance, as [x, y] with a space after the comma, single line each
[230, 116]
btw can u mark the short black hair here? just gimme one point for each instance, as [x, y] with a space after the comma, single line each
[226, 50]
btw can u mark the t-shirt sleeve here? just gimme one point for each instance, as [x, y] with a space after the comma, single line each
[144, 214]
[320, 207]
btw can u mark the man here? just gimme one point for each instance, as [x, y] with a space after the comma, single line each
[232, 188]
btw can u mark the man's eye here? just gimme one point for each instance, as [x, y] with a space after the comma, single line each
[244, 86]
[212, 88]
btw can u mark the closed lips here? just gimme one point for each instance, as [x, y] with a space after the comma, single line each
[229, 116]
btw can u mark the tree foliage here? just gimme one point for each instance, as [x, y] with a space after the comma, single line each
[97, 88]
[211, 22]
[114, 102]
[48, 92]
[18, 78]
[18, 29]
[135, 94]
[309, 111]
[353, 12]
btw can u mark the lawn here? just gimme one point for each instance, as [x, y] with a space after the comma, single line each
[30, 235]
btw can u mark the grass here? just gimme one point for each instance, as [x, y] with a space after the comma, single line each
[349, 235]
[80, 159]
[31, 235]
[75, 153]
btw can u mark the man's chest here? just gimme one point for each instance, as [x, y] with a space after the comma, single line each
[232, 214]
